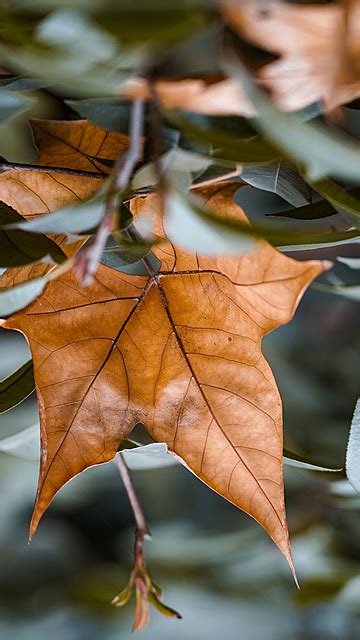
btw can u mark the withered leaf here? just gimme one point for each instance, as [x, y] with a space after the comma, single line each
[219, 97]
[179, 351]
[64, 144]
[67, 145]
[318, 45]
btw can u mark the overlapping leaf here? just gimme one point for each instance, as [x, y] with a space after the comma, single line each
[220, 97]
[66, 145]
[180, 351]
[318, 47]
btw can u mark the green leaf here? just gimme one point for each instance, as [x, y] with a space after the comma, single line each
[70, 63]
[351, 291]
[294, 460]
[321, 150]
[18, 297]
[313, 211]
[80, 39]
[119, 252]
[342, 201]
[124, 218]
[189, 224]
[353, 263]
[111, 114]
[353, 450]
[24, 444]
[73, 219]
[218, 172]
[324, 242]
[19, 247]
[183, 208]
[17, 387]
[178, 162]
[249, 150]
[11, 103]
[21, 83]
[281, 179]
[150, 456]
[158, 24]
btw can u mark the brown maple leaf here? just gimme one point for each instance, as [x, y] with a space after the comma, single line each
[318, 47]
[179, 351]
[219, 97]
[68, 145]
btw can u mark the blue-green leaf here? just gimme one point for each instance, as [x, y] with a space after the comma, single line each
[353, 450]
[294, 460]
[17, 387]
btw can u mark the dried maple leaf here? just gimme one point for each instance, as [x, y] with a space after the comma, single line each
[221, 97]
[180, 351]
[318, 47]
[67, 145]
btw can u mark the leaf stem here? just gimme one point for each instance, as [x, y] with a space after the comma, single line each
[90, 255]
[142, 528]
[16, 166]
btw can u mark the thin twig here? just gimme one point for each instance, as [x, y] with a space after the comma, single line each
[142, 528]
[17, 166]
[125, 163]
[89, 257]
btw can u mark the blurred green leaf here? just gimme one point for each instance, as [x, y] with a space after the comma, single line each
[189, 224]
[183, 211]
[322, 150]
[21, 83]
[353, 263]
[281, 179]
[73, 219]
[19, 247]
[246, 150]
[81, 41]
[217, 171]
[11, 103]
[156, 24]
[18, 297]
[24, 444]
[149, 456]
[313, 211]
[174, 162]
[353, 450]
[294, 460]
[342, 201]
[111, 114]
[351, 291]
[119, 252]
[18, 386]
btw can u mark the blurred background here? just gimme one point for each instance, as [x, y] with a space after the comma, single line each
[216, 566]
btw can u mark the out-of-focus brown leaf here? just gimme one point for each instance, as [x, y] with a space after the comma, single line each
[180, 351]
[221, 97]
[318, 45]
[68, 145]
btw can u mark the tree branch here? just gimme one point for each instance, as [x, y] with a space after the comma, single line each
[89, 257]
